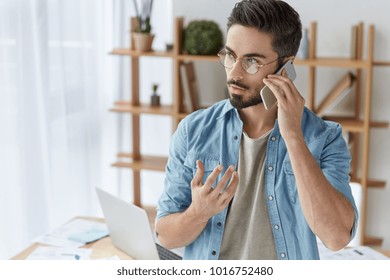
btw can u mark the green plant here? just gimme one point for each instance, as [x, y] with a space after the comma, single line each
[154, 88]
[143, 17]
[202, 37]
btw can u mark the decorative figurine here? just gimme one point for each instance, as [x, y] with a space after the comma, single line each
[155, 98]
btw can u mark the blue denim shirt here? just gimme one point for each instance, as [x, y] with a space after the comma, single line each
[213, 136]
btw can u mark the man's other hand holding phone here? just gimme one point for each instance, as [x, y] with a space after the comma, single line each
[290, 104]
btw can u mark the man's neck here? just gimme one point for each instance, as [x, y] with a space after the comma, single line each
[257, 120]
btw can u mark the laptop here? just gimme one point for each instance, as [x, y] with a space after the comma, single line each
[130, 230]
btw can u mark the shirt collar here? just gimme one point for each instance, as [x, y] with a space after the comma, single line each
[227, 108]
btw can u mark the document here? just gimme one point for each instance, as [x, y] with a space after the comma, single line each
[56, 253]
[352, 253]
[65, 235]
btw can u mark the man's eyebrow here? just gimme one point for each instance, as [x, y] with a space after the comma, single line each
[248, 54]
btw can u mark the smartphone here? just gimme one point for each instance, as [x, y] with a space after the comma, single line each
[266, 93]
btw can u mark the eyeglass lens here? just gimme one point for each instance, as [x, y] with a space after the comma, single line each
[228, 61]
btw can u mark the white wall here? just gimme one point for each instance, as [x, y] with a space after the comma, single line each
[335, 19]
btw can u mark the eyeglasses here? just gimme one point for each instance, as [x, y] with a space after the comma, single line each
[249, 64]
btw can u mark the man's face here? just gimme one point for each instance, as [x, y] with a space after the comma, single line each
[243, 42]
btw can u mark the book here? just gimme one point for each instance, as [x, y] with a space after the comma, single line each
[354, 42]
[336, 94]
[189, 86]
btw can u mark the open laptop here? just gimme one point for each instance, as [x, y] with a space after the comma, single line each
[130, 230]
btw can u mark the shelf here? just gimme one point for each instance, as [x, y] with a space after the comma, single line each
[134, 53]
[326, 62]
[353, 125]
[126, 107]
[371, 183]
[376, 184]
[333, 62]
[372, 241]
[180, 57]
[182, 115]
[152, 163]
[188, 57]
[381, 63]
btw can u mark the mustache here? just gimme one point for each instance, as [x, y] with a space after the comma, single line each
[238, 83]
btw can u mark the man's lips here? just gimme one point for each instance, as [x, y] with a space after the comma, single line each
[237, 86]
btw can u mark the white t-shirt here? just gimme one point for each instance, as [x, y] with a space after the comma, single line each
[247, 233]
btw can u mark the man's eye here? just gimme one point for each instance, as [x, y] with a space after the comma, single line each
[230, 55]
[251, 60]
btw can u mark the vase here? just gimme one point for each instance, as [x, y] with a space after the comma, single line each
[143, 41]
[303, 51]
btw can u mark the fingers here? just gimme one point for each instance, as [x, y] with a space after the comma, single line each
[213, 176]
[223, 195]
[208, 201]
[219, 193]
[279, 84]
[284, 73]
[225, 178]
[283, 88]
[197, 180]
[230, 190]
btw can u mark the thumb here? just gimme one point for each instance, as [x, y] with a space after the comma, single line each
[284, 73]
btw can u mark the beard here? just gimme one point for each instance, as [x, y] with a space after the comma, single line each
[251, 98]
[241, 102]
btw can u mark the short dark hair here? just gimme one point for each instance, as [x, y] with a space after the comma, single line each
[274, 17]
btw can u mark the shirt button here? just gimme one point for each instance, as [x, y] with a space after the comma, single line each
[219, 224]
[273, 138]
[271, 197]
[270, 168]
[213, 253]
[235, 137]
[283, 255]
[276, 227]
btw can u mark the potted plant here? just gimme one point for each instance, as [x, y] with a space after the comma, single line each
[142, 36]
[202, 37]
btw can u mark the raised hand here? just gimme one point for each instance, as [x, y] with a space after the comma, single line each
[290, 105]
[206, 201]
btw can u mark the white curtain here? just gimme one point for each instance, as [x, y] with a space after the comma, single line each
[57, 138]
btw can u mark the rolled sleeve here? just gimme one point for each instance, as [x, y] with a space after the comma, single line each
[176, 196]
[335, 163]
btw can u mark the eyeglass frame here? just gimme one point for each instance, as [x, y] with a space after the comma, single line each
[242, 60]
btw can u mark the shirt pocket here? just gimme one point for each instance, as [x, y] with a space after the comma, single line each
[209, 162]
[290, 178]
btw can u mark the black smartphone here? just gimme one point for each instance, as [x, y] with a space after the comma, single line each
[266, 93]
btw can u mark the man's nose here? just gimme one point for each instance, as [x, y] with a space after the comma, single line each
[237, 72]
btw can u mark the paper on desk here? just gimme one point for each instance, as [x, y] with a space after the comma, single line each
[88, 236]
[58, 241]
[112, 258]
[56, 253]
[353, 253]
[59, 237]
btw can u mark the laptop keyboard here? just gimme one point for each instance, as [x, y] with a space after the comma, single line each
[166, 254]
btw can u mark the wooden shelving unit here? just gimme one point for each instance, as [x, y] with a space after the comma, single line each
[135, 160]
[359, 125]
[152, 163]
[127, 107]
